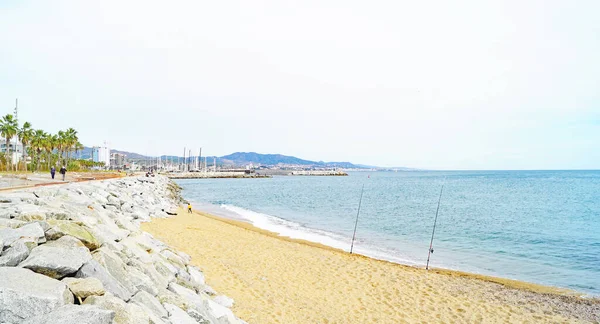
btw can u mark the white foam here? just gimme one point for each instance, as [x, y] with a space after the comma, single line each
[296, 231]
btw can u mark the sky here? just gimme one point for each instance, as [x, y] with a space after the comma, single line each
[423, 84]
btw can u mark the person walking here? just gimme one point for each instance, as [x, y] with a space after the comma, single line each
[52, 172]
[189, 208]
[63, 171]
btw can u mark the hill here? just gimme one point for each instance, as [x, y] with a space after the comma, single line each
[241, 159]
[244, 158]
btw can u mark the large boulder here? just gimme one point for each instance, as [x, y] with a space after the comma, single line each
[224, 301]
[124, 313]
[24, 294]
[11, 223]
[200, 319]
[149, 270]
[116, 267]
[196, 275]
[9, 235]
[85, 287]
[169, 297]
[74, 314]
[61, 228]
[93, 269]
[178, 315]
[135, 250]
[59, 258]
[175, 259]
[17, 252]
[141, 281]
[149, 301]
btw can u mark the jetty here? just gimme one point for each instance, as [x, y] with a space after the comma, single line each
[74, 253]
[283, 172]
[213, 175]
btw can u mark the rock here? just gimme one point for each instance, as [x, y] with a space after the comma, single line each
[74, 314]
[165, 269]
[169, 297]
[185, 257]
[11, 223]
[59, 258]
[220, 313]
[149, 243]
[185, 279]
[224, 301]
[31, 217]
[18, 252]
[24, 294]
[194, 300]
[126, 225]
[8, 235]
[85, 287]
[197, 276]
[60, 228]
[173, 258]
[106, 233]
[116, 267]
[158, 280]
[141, 281]
[124, 313]
[208, 290]
[199, 318]
[113, 201]
[136, 250]
[149, 301]
[178, 315]
[154, 319]
[93, 269]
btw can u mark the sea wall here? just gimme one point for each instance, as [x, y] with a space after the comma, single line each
[74, 253]
[206, 175]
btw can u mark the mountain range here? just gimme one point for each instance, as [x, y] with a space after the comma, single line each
[245, 158]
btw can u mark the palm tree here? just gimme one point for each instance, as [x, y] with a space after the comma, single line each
[37, 144]
[52, 142]
[72, 140]
[8, 129]
[78, 148]
[25, 135]
[61, 144]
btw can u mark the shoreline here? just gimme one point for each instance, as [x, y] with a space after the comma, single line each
[510, 283]
[252, 253]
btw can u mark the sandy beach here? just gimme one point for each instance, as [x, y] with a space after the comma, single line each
[278, 280]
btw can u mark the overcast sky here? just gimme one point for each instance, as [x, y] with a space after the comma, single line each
[438, 85]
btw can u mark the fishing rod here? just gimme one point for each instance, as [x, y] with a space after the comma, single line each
[357, 213]
[434, 223]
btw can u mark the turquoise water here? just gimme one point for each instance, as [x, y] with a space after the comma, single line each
[535, 226]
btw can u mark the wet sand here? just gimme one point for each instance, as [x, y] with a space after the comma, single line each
[279, 280]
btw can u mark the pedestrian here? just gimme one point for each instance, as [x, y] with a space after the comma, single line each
[52, 172]
[63, 171]
[189, 208]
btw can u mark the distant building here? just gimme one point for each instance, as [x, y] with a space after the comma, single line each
[101, 154]
[17, 155]
[117, 160]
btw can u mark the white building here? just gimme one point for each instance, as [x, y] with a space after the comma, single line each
[101, 154]
[16, 155]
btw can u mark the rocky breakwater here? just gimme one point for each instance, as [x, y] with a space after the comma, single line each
[74, 253]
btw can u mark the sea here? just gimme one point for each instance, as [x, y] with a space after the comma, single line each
[535, 226]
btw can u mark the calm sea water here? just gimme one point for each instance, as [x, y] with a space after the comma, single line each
[536, 226]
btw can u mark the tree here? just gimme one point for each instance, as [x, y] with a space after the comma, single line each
[8, 129]
[37, 144]
[25, 135]
[71, 141]
[78, 148]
